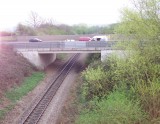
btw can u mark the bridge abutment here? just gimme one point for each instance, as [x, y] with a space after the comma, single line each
[41, 61]
[107, 53]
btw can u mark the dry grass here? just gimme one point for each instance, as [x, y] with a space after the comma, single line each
[13, 69]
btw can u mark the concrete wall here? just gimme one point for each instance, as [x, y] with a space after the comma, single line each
[41, 61]
[107, 53]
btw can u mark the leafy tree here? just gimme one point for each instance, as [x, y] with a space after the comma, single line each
[84, 29]
[142, 68]
[137, 75]
[80, 29]
[143, 21]
[24, 30]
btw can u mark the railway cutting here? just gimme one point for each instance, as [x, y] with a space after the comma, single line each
[33, 114]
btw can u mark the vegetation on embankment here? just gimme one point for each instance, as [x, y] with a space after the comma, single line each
[18, 77]
[13, 68]
[16, 93]
[126, 90]
[28, 84]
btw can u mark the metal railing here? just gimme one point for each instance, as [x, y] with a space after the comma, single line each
[52, 46]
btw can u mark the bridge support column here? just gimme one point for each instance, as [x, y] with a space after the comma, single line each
[41, 61]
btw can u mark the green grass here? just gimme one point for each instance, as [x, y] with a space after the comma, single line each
[2, 113]
[116, 109]
[5, 110]
[17, 93]
[29, 84]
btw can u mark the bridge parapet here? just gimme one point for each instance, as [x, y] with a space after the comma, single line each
[78, 46]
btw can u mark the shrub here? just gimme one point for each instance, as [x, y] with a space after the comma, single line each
[116, 109]
[93, 57]
[139, 72]
[95, 83]
[150, 97]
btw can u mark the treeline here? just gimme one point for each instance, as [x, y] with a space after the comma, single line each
[62, 29]
[37, 25]
[59, 29]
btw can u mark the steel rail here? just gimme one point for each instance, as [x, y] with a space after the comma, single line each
[37, 111]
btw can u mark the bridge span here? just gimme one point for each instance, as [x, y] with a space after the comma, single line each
[41, 54]
[63, 47]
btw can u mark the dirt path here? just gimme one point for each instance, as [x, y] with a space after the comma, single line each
[52, 112]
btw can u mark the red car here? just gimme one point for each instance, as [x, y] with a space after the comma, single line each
[84, 39]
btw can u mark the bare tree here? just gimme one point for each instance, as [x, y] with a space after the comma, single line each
[34, 19]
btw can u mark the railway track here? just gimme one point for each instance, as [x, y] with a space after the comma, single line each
[36, 111]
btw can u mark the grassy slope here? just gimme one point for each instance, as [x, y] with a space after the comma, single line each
[17, 78]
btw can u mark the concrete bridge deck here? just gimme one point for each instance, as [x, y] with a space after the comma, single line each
[41, 54]
[63, 47]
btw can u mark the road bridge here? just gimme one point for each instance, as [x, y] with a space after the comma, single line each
[44, 53]
[62, 47]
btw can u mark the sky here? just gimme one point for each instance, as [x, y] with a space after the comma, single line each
[90, 12]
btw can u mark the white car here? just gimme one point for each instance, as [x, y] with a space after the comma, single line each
[70, 40]
[100, 38]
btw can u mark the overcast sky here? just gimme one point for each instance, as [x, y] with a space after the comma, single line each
[90, 12]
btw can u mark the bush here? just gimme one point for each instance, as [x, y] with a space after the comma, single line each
[150, 97]
[95, 83]
[139, 72]
[116, 109]
[93, 57]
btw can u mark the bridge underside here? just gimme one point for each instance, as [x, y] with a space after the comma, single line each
[41, 61]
